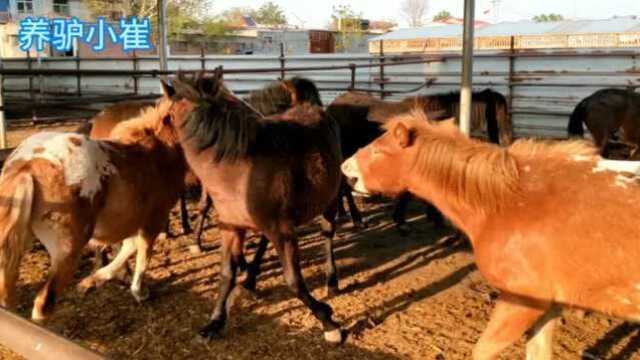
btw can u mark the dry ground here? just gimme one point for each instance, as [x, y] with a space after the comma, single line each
[415, 297]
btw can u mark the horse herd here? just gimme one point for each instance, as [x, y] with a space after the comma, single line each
[276, 159]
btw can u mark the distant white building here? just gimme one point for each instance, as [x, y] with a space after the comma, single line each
[12, 11]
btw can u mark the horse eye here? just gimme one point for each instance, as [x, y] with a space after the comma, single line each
[166, 120]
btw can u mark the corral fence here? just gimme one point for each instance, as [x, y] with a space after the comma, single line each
[543, 86]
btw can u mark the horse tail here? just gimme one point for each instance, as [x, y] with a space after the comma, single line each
[575, 129]
[16, 202]
[505, 125]
[491, 117]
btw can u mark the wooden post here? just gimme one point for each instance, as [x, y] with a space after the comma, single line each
[382, 79]
[136, 85]
[282, 61]
[352, 67]
[203, 65]
[467, 68]
[512, 66]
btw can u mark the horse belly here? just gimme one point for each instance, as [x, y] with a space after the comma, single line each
[123, 213]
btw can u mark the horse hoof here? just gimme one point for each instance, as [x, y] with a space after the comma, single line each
[86, 285]
[212, 331]
[195, 249]
[360, 225]
[163, 236]
[334, 336]
[332, 291]
[140, 295]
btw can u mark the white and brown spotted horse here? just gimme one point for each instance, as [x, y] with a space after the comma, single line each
[65, 189]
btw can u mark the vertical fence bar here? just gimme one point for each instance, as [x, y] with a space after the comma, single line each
[3, 125]
[512, 67]
[352, 68]
[467, 68]
[203, 65]
[382, 80]
[282, 61]
[30, 66]
[135, 66]
[78, 77]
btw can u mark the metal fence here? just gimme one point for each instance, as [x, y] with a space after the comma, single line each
[542, 86]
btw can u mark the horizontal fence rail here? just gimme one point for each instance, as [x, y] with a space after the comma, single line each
[541, 86]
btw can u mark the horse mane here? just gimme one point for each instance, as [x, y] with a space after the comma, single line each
[233, 129]
[149, 124]
[482, 175]
[553, 148]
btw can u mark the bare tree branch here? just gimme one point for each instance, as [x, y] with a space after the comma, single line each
[414, 11]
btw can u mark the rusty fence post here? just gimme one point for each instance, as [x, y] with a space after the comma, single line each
[78, 77]
[30, 67]
[136, 67]
[382, 80]
[512, 67]
[352, 68]
[203, 64]
[282, 61]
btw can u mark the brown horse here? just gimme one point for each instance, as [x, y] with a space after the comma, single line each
[604, 113]
[65, 189]
[580, 251]
[275, 98]
[267, 174]
[101, 126]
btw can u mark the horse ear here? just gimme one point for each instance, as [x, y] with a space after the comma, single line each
[403, 135]
[167, 89]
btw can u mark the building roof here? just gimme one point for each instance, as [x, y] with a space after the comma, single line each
[527, 27]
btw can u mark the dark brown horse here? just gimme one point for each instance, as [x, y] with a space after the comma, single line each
[604, 113]
[267, 174]
[275, 98]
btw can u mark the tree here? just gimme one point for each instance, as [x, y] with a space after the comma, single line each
[442, 15]
[233, 16]
[269, 14]
[181, 14]
[414, 11]
[347, 22]
[548, 18]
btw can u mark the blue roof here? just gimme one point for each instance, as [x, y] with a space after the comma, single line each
[526, 27]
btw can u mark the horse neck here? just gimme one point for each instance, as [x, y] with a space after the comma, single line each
[466, 179]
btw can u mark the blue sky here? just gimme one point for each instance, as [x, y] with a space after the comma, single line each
[316, 13]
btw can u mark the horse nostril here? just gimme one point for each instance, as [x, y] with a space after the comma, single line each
[352, 181]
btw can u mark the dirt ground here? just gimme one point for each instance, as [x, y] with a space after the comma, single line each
[403, 297]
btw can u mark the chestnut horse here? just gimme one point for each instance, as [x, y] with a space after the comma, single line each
[101, 126]
[266, 174]
[580, 251]
[361, 116]
[604, 113]
[65, 189]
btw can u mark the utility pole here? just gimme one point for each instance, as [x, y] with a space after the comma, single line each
[163, 46]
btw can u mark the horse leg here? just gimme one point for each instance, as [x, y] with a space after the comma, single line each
[342, 212]
[204, 205]
[356, 216]
[110, 271]
[143, 244]
[253, 269]
[434, 215]
[286, 244]
[400, 213]
[64, 260]
[540, 344]
[228, 268]
[510, 319]
[328, 231]
[184, 214]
